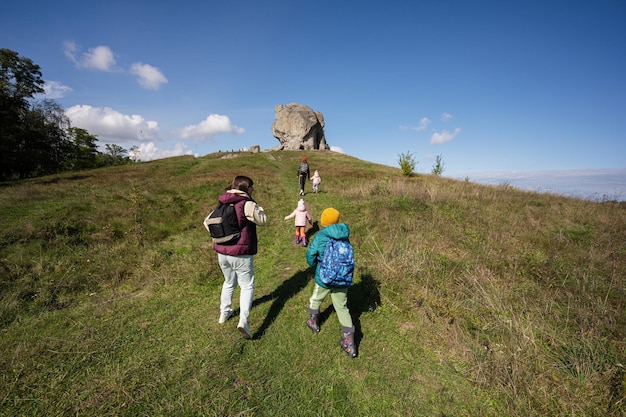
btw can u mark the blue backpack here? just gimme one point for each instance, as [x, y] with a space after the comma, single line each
[337, 265]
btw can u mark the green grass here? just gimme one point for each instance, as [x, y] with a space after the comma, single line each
[469, 300]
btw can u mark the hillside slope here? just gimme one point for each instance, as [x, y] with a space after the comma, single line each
[469, 300]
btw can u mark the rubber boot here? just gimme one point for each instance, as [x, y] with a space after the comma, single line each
[312, 322]
[297, 239]
[347, 342]
[303, 241]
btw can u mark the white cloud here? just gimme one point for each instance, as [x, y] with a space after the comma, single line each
[443, 137]
[54, 90]
[148, 76]
[446, 117]
[149, 151]
[102, 58]
[424, 121]
[111, 126]
[337, 149]
[70, 49]
[214, 124]
[99, 58]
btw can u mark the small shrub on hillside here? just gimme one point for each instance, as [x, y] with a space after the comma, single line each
[407, 163]
[439, 166]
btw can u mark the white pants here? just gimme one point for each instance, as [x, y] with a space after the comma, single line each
[237, 270]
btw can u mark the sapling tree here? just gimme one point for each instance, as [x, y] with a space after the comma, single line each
[438, 167]
[407, 163]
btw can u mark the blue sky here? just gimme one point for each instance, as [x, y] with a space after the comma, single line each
[491, 86]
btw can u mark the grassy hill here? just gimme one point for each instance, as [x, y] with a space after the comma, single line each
[469, 300]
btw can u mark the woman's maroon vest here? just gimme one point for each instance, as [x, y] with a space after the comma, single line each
[247, 243]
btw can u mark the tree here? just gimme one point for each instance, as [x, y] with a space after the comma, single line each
[85, 149]
[44, 146]
[115, 151]
[438, 167]
[20, 80]
[407, 163]
[135, 152]
[36, 137]
[49, 139]
[115, 155]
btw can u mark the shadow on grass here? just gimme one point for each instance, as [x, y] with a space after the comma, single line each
[285, 291]
[363, 296]
[312, 231]
[313, 192]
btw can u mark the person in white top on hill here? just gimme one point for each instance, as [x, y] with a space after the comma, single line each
[316, 181]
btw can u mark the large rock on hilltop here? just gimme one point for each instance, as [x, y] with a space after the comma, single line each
[297, 127]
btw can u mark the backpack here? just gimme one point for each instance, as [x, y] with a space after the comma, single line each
[223, 225]
[337, 265]
[304, 167]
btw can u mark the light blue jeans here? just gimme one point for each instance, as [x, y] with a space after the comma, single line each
[237, 270]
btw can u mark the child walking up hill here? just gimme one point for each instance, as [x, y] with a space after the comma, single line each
[316, 181]
[302, 216]
[333, 275]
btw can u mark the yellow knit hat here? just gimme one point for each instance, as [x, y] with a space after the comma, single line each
[329, 216]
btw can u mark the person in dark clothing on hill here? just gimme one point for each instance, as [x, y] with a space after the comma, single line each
[304, 174]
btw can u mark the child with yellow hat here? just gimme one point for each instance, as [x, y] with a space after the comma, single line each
[331, 229]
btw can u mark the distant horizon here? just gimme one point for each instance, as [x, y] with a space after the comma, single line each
[595, 184]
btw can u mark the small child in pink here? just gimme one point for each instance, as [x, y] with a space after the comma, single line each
[316, 181]
[302, 216]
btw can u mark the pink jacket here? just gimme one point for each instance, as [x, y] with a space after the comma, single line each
[301, 214]
[316, 178]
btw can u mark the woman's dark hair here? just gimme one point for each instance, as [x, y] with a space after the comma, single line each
[241, 183]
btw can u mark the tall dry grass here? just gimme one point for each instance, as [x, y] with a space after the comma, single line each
[487, 300]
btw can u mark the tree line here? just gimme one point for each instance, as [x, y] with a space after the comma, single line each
[36, 137]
